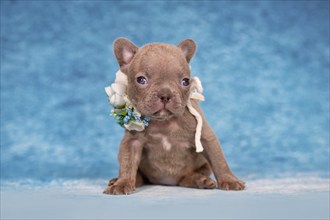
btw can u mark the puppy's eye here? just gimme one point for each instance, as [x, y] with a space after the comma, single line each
[185, 82]
[141, 80]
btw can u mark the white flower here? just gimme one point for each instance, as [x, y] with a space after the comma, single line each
[109, 91]
[117, 100]
[121, 78]
[116, 95]
[135, 126]
[117, 90]
[128, 102]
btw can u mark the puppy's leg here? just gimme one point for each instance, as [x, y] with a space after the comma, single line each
[129, 156]
[199, 179]
[138, 182]
[213, 153]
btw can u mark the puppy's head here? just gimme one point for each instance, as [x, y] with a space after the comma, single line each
[158, 76]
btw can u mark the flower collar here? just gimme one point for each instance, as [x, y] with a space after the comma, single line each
[124, 112]
[127, 116]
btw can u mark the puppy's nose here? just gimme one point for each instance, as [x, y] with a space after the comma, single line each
[165, 95]
[165, 99]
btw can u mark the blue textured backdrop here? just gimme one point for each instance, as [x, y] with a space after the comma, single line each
[264, 66]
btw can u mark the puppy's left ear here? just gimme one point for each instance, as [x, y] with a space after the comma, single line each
[188, 47]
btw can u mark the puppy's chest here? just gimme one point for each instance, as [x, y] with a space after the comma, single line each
[161, 143]
[169, 139]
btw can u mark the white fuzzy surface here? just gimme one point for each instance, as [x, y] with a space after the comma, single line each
[286, 198]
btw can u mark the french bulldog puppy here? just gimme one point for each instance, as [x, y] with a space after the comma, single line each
[164, 153]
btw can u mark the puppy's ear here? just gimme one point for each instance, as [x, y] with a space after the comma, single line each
[188, 47]
[124, 51]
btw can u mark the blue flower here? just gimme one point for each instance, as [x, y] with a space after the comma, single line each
[136, 117]
[129, 112]
[145, 123]
[146, 120]
[126, 119]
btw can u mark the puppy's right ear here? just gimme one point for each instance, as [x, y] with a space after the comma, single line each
[124, 51]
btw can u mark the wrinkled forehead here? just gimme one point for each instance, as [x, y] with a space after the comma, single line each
[160, 60]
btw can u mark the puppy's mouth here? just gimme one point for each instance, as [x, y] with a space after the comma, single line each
[161, 115]
[157, 109]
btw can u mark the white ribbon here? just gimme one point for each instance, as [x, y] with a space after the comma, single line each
[196, 93]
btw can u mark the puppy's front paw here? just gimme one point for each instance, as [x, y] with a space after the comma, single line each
[230, 182]
[120, 187]
[206, 182]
